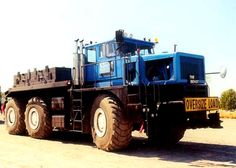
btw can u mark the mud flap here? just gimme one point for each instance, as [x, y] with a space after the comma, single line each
[214, 120]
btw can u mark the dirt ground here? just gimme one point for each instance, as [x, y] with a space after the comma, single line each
[199, 148]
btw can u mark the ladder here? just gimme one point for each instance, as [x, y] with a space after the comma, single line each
[76, 110]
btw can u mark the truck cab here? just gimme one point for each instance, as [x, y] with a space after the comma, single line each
[133, 62]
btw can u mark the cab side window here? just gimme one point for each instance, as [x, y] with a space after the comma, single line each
[91, 55]
[108, 49]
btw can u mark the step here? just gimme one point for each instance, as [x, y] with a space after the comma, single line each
[76, 100]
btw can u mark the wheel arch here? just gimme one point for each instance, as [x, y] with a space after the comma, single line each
[91, 97]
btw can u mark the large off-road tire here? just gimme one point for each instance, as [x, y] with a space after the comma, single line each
[110, 130]
[170, 127]
[167, 136]
[14, 117]
[37, 119]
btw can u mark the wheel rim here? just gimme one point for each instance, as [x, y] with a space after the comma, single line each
[11, 116]
[100, 122]
[33, 118]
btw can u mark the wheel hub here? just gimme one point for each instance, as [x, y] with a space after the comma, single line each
[100, 122]
[33, 118]
[11, 116]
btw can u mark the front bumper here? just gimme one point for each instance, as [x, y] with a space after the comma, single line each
[202, 112]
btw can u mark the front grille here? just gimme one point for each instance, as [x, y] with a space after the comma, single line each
[196, 91]
[192, 66]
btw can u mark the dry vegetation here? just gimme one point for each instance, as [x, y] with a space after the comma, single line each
[228, 114]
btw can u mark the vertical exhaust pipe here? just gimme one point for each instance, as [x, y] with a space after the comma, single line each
[78, 64]
[81, 64]
[76, 69]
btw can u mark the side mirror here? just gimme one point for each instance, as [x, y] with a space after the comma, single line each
[223, 72]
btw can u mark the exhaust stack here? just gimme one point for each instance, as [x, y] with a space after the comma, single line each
[81, 64]
[78, 64]
[76, 68]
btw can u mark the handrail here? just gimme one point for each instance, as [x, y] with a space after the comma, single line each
[94, 64]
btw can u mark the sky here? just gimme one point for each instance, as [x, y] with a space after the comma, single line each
[36, 33]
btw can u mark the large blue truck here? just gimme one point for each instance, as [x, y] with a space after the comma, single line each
[114, 87]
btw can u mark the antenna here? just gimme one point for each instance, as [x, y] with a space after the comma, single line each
[175, 47]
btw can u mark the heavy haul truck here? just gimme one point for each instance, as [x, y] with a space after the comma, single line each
[114, 87]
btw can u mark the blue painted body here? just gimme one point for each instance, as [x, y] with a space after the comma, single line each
[110, 65]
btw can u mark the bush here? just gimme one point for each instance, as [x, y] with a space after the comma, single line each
[228, 100]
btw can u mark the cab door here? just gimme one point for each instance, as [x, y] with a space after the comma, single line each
[91, 75]
[109, 65]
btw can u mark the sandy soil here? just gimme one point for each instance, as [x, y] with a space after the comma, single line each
[199, 148]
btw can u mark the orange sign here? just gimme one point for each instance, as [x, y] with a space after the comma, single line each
[201, 104]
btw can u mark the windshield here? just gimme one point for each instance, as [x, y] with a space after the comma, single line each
[131, 49]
